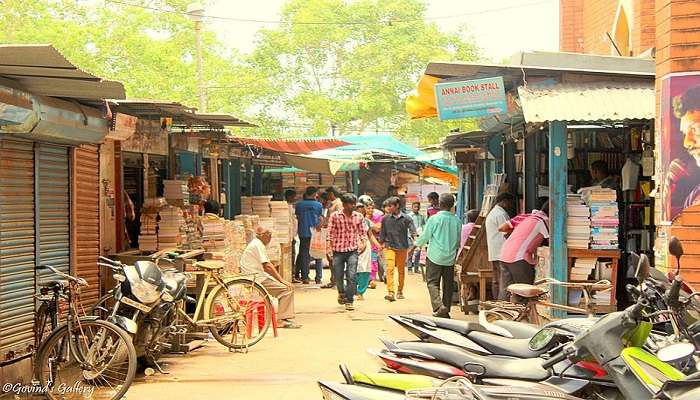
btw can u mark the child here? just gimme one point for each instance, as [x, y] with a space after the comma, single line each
[364, 260]
[418, 222]
[394, 237]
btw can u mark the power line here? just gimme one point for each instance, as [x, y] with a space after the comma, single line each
[389, 21]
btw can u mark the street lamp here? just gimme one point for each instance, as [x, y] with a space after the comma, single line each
[196, 13]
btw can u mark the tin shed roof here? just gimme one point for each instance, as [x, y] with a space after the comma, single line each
[43, 70]
[588, 102]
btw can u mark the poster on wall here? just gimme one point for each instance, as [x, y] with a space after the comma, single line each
[679, 148]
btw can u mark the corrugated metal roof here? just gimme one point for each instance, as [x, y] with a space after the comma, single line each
[182, 115]
[588, 102]
[43, 70]
[225, 120]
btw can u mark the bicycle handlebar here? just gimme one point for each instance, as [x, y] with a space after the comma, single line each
[79, 281]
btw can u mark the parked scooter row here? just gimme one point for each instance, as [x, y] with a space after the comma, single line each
[647, 351]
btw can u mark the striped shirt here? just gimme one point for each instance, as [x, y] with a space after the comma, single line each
[345, 232]
[529, 231]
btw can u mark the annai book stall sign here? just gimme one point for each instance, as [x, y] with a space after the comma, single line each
[470, 99]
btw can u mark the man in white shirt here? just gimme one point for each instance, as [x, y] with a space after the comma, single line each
[255, 261]
[495, 239]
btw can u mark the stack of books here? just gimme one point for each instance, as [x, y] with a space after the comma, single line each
[213, 233]
[282, 219]
[582, 269]
[176, 192]
[604, 218]
[578, 222]
[235, 243]
[603, 297]
[261, 206]
[169, 228]
[246, 205]
[273, 249]
[148, 236]
[287, 179]
[250, 222]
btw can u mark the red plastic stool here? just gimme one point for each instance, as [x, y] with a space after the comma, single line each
[259, 307]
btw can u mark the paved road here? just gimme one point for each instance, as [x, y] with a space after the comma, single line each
[287, 367]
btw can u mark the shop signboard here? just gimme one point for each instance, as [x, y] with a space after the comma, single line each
[679, 144]
[470, 99]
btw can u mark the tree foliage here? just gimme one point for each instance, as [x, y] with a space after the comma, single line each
[349, 70]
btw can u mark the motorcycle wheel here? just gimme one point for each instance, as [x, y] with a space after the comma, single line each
[244, 312]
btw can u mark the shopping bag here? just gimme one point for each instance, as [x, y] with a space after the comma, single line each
[317, 248]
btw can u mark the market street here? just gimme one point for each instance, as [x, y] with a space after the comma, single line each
[287, 367]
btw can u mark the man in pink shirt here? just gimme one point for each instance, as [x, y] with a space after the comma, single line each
[526, 233]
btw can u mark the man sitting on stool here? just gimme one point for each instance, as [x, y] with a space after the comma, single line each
[255, 261]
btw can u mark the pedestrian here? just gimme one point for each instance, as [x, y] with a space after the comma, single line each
[364, 259]
[495, 239]
[394, 237]
[308, 212]
[526, 233]
[347, 237]
[418, 222]
[254, 260]
[434, 206]
[442, 235]
[290, 196]
[333, 204]
[375, 216]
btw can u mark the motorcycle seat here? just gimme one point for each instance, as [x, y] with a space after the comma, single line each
[529, 369]
[176, 283]
[461, 327]
[525, 290]
[504, 346]
[519, 330]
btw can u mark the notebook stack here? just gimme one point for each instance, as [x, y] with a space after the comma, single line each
[148, 238]
[582, 269]
[604, 218]
[261, 206]
[169, 227]
[246, 205]
[176, 192]
[578, 222]
[282, 219]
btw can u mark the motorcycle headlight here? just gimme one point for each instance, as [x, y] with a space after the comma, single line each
[146, 292]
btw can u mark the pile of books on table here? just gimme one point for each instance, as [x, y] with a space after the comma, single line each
[578, 222]
[282, 219]
[261, 206]
[169, 227]
[582, 269]
[246, 205]
[213, 233]
[176, 192]
[604, 218]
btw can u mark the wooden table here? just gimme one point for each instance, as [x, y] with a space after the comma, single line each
[614, 255]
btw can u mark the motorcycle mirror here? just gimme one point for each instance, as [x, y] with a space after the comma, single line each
[345, 371]
[542, 339]
[676, 352]
[643, 267]
[676, 249]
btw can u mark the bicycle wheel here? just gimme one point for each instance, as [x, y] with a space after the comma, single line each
[95, 361]
[241, 312]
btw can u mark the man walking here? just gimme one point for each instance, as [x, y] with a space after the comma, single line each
[394, 237]
[442, 234]
[308, 212]
[419, 223]
[254, 260]
[347, 237]
[527, 232]
[495, 239]
[333, 204]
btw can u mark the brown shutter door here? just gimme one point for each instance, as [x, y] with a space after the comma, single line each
[86, 220]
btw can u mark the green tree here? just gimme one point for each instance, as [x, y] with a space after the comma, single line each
[348, 66]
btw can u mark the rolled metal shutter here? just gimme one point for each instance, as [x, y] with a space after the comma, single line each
[17, 247]
[86, 220]
[53, 204]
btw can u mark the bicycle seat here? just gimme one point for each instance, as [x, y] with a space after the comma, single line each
[525, 290]
[211, 265]
[53, 283]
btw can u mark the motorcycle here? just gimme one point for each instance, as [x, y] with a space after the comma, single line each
[144, 303]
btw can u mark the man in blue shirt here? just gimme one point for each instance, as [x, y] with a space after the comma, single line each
[442, 233]
[308, 213]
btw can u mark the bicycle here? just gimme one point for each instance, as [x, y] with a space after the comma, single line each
[525, 299]
[83, 357]
[229, 307]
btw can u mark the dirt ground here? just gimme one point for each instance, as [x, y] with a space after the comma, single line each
[288, 367]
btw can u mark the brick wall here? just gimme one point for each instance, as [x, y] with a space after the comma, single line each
[571, 26]
[584, 24]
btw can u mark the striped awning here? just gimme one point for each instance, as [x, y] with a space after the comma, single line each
[294, 146]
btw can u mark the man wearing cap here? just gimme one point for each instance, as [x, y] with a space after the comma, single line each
[255, 261]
